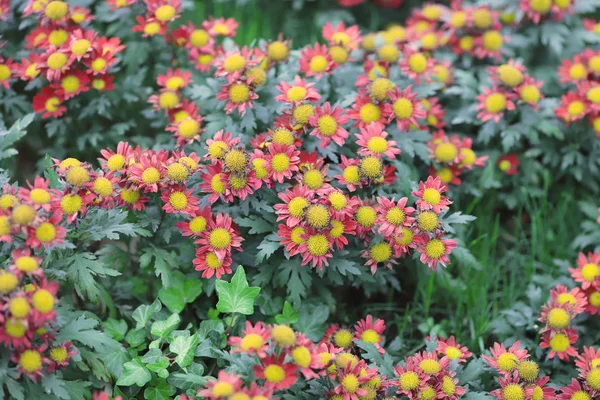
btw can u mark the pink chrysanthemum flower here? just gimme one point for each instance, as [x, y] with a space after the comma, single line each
[489, 44]
[410, 380]
[341, 36]
[316, 61]
[131, 198]
[416, 65]
[25, 263]
[365, 111]
[588, 269]
[370, 332]
[493, 103]
[220, 237]
[535, 10]
[350, 176]
[39, 195]
[372, 141]
[573, 71]
[210, 264]
[593, 300]
[429, 364]
[213, 182]
[47, 233]
[510, 74]
[221, 26]
[179, 200]
[278, 375]
[254, 340]
[147, 174]
[239, 95]
[587, 361]
[530, 92]
[241, 185]
[305, 356]
[339, 228]
[452, 350]
[503, 360]
[281, 161]
[378, 253]
[434, 250]
[234, 63]
[404, 108]
[297, 93]
[327, 124]
[316, 248]
[350, 380]
[174, 79]
[573, 300]
[225, 385]
[219, 144]
[296, 200]
[572, 107]
[291, 238]
[575, 391]
[510, 387]
[392, 216]
[404, 242]
[430, 195]
[197, 223]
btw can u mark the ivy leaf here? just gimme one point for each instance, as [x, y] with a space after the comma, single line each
[182, 291]
[144, 313]
[184, 348]
[163, 328]
[115, 328]
[135, 374]
[159, 391]
[237, 296]
[288, 316]
[191, 379]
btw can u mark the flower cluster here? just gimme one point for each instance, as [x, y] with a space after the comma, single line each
[28, 224]
[431, 375]
[72, 58]
[538, 11]
[452, 156]
[583, 71]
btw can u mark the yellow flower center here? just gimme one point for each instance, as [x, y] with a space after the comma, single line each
[435, 249]
[380, 88]
[340, 38]
[19, 307]
[58, 354]
[313, 179]
[239, 93]
[566, 298]
[417, 63]
[406, 238]
[594, 61]
[150, 176]
[219, 238]
[370, 113]
[26, 264]
[197, 224]
[31, 71]
[205, 59]
[222, 389]
[458, 19]
[350, 383]
[365, 216]
[152, 28]
[98, 64]
[448, 386]
[530, 94]
[593, 379]
[482, 18]
[177, 172]
[338, 54]
[338, 200]
[56, 10]
[280, 162]
[15, 328]
[389, 52]
[175, 83]
[409, 380]
[403, 108]
[258, 75]
[343, 338]
[80, 47]
[283, 136]
[278, 51]
[165, 13]
[302, 112]
[238, 182]
[189, 162]
[429, 41]
[351, 174]
[446, 152]
[510, 75]
[559, 343]
[370, 336]
[217, 149]
[213, 261]
[296, 206]
[199, 38]
[71, 203]
[39, 196]
[580, 395]
[115, 162]
[23, 214]
[259, 168]
[327, 125]
[590, 271]
[528, 371]
[343, 359]
[56, 61]
[540, 6]
[283, 335]
[507, 361]
[430, 366]
[495, 103]
[558, 318]
[576, 108]
[370, 167]
[452, 352]
[236, 160]
[301, 356]
[513, 391]
[593, 95]
[45, 232]
[103, 186]
[492, 40]
[274, 373]
[538, 393]
[43, 301]
[318, 64]
[395, 216]
[577, 71]
[217, 185]
[317, 245]
[381, 252]
[31, 360]
[595, 300]
[178, 201]
[428, 221]
[57, 37]
[168, 100]
[251, 341]
[466, 43]
[234, 63]
[296, 93]
[297, 234]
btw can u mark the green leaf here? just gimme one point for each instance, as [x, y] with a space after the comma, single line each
[267, 247]
[108, 224]
[136, 337]
[182, 291]
[115, 328]
[53, 384]
[16, 132]
[288, 316]
[237, 296]
[163, 260]
[184, 348]
[312, 321]
[160, 391]
[144, 313]
[135, 374]
[191, 379]
[163, 328]
[82, 330]
[256, 224]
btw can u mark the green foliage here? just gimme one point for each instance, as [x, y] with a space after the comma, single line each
[236, 296]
